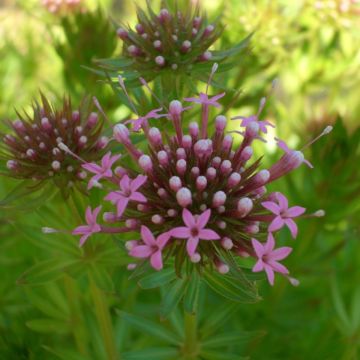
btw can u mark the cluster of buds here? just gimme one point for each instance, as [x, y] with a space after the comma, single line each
[32, 150]
[169, 39]
[61, 6]
[192, 196]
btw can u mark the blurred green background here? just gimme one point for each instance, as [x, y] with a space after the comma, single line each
[49, 309]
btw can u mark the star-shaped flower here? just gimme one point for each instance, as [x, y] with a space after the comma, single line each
[128, 192]
[245, 121]
[194, 231]
[205, 100]
[91, 228]
[284, 214]
[152, 247]
[268, 257]
[142, 120]
[101, 171]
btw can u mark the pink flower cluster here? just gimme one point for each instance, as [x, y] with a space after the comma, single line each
[192, 195]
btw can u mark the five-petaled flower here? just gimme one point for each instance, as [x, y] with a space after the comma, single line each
[268, 257]
[204, 99]
[101, 171]
[194, 231]
[91, 228]
[152, 248]
[127, 193]
[284, 214]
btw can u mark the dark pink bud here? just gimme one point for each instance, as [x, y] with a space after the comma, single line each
[246, 153]
[160, 60]
[155, 136]
[225, 167]
[175, 183]
[163, 158]
[206, 56]
[92, 120]
[183, 197]
[227, 243]
[244, 206]
[220, 123]
[211, 173]
[139, 29]
[145, 163]
[234, 180]
[195, 171]
[11, 164]
[185, 46]
[181, 166]
[157, 44]
[227, 142]
[201, 183]
[194, 129]
[208, 30]
[45, 123]
[175, 108]
[121, 133]
[109, 217]
[157, 219]
[122, 34]
[219, 199]
[164, 15]
[181, 153]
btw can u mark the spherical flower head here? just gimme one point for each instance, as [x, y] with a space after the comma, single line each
[199, 200]
[168, 39]
[35, 149]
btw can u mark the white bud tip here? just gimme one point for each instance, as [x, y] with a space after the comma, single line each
[48, 230]
[327, 130]
[319, 213]
[214, 67]
[63, 147]
[195, 258]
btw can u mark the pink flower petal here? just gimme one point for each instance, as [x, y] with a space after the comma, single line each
[292, 227]
[270, 244]
[96, 213]
[217, 97]
[88, 215]
[105, 160]
[278, 267]
[280, 253]
[180, 232]
[283, 201]
[270, 274]
[162, 240]
[258, 248]
[207, 234]
[259, 266]
[139, 197]
[295, 211]
[191, 245]
[80, 230]
[141, 251]
[83, 239]
[112, 160]
[94, 168]
[138, 182]
[93, 180]
[121, 205]
[156, 260]
[147, 236]
[188, 218]
[272, 206]
[203, 219]
[276, 224]
[125, 183]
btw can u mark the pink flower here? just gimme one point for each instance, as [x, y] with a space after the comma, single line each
[127, 193]
[268, 257]
[142, 120]
[283, 213]
[91, 228]
[246, 121]
[152, 248]
[205, 100]
[283, 146]
[194, 230]
[103, 171]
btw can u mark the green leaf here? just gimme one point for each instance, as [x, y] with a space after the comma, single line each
[172, 297]
[45, 271]
[231, 338]
[229, 287]
[339, 306]
[102, 278]
[355, 310]
[152, 354]
[191, 297]
[157, 279]
[66, 354]
[18, 192]
[150, 327]
[48, 326]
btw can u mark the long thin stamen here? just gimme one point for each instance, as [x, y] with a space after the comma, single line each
[213, 70]
[98, 106]
[144, 82]
[64, 148]
[326, 131]
[122, 84]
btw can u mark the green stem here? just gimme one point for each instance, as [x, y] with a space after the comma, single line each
[191, 347]
[77, 323]
[104, 320]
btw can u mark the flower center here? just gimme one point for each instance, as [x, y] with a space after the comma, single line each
[194, 232]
